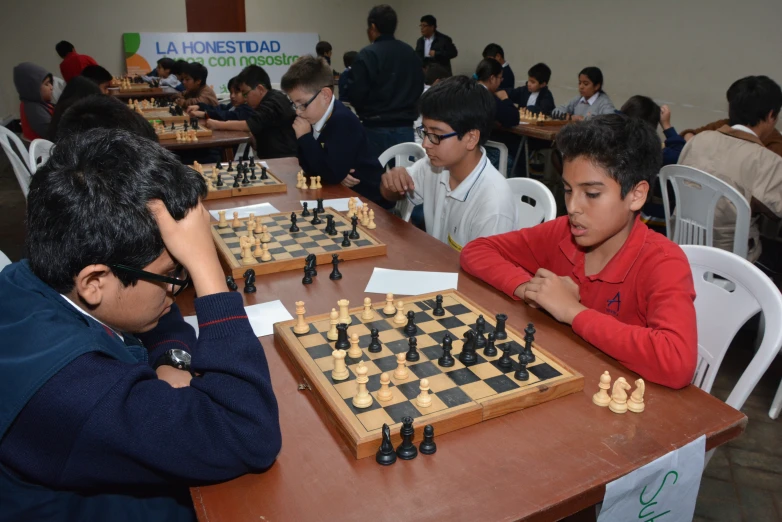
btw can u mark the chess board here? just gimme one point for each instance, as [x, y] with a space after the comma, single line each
[141, 88]
[461, 396]
[162, 114]
[255, 186]
[289, 250]
[169, 133]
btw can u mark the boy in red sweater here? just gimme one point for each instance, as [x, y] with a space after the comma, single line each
[624, 288]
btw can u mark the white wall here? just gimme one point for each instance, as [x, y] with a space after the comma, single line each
[683, 52]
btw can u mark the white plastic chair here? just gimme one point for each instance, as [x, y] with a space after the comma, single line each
[503, 168]
[39, 153]
[4, 261]
[720, 314]
[539, 206]
[697, 194]
[404, 155]
[9, 140]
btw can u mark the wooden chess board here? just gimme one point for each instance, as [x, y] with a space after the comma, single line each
[162, 114]
[141, 88]
[169, 131]
[289, 250]
[254, 186]
[461, 396]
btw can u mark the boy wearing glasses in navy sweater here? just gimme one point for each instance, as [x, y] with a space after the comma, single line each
[100, 415]
[332, 143]
[464, 196]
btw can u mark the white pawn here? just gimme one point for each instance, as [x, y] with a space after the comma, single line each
[424, 400]
[301, 326]
[371, 221]
[601, 398]
[333, 334]
[384, 393]
[400, 317]
[340, 371]
[362, 399]
[389, 308]
[236, 223]
[401, 371]
[367, 314]
[636, 402]
[355, 351]
[258, 252]
[258, 227]
[265, 236]
[265, 254]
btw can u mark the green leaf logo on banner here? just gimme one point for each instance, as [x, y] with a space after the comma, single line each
[132, 43]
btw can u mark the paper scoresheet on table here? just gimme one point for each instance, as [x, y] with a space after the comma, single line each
[260, 209]
[262, 317]
[408, 282]
[340, 205]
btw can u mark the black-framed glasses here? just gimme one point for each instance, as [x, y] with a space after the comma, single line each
[303, 106]
[435, 139]
[178, 278]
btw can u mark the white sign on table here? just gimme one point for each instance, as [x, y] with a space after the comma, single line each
[261, 209]
[408, 282]
[262, 317]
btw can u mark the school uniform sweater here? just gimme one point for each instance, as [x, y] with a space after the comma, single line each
[272, 126]
[576, 107]
[544, 102]
[508, 78]
[641, 309]
[227, 111]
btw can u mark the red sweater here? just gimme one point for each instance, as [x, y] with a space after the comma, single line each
[73, 64]
[641, 308]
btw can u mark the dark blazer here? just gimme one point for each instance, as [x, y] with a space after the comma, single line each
[508, 78]
[544, 103]
[443, 47]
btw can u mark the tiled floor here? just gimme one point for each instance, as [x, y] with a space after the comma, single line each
[743, 481]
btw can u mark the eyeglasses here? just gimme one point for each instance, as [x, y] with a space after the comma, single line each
[246, 93]
[178, 278]
[435, 139]
[303, 106]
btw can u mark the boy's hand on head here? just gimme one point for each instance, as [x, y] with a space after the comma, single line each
[398, 180]
[189, 241]
[559, 296]
[665, 117]
[350, 181]
[301, 127]
[174, 376]
[502, 94]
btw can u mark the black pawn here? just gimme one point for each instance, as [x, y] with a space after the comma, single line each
[315, 219]
[219, 165]
[230, 166]
[529, 337]
[263, 174]
[231, 283]
[219, 180]
[412, 352]
[499, 331]
[307, 279]
[490, 350]
[505, 362]
[438, 307]
[320, 206]
[173, 126]
[386, 455]
[293, 228]
[374, 343]
[236, 181]
[249, 281]
[468, 356]
[345, 239]
[305, 211]
[480, 330]
[407, 450]
[245, 180]
[335, 273]
[354, 233]
[252, 174]
[428, 446]
[410, 327]
[342, 337]
[186, 126]
[447, 359]
[521, 374]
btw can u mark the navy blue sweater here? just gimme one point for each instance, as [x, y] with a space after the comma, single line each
[508, 79]
[227, 112]
[341, 146]
[344, 90]
[125, 441]
[544, 103]
[507, 114]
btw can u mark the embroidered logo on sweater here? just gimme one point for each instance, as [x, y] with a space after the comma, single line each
[612, 306]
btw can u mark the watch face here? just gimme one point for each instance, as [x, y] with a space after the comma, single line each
[180, 357]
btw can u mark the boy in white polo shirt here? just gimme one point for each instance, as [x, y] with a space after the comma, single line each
[464, 196]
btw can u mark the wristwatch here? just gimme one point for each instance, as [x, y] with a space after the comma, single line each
[177, 358]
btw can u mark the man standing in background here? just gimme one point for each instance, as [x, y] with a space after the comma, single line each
[386, 82]
[434, 46]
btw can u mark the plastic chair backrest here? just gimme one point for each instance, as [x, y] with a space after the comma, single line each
[404, 155]
[534, 200]
[19, 166]
[4, 261]
[11, 139]
[39, 153]
[697, 194]
[503, 166]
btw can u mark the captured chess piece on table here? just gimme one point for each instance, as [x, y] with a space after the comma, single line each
[249, 281]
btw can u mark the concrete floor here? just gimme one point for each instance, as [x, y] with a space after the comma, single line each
[743, 481]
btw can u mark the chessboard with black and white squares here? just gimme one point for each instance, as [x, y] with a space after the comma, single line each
[449, 387]
[228, 178]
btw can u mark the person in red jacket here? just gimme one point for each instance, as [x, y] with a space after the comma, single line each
[72, 63]
[624, 288]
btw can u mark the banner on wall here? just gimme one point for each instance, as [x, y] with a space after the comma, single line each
[223, 54]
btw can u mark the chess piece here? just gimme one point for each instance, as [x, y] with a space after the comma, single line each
[345, 239]
[601, 398]
[252, 161]
[368, 314]
[384, 393]
[499, 330]
[317, 183]
[344, 313]
[447, 360]
[330, 229]
[301, 326]
[355, 350]
[315, 219]
[428, 446]
[351, 208]
[389, 309]
[407, 450]
[371, 224]
[354, 233]
[363, 399]
[340, 371]
[342, 337]
[245, 243]
[505, 363]
[490, 350]
[236, 223]
[386, 455]
[480, 330]
[304, 210]
[249, 281]
[374, 343]
[468, 356]
[410, 328]
[230, 166]
[313, 183]
[522, 374]
[307, 279]
[236, 181]
[320, 205]
[438, 306]
[412, 353]
[529, 338]
[618, 402]
[636, 402]
[424, 400]
[333, 320]
[399, 318]
[265, 254]
[252, 174]
[229, 280]
[258, 228]
[265, 236]
[258, 252]
[335, 273]
[401, 373]
[223, 222]
[293, 227]
[311, 264]
[264, 174]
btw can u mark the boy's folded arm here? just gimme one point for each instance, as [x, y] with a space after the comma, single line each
[171, 332]
[664, 351]
[331, 165]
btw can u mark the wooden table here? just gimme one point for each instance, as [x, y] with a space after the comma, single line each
[542, 463]
[168, 92]
[528, 131]
[224, 139]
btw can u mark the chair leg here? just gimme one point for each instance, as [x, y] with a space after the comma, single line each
[776, 404]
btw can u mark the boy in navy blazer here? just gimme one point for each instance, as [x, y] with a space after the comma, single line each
[535, 96]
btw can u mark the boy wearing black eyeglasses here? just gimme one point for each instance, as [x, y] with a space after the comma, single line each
[464, 196]
[332, 143]
[89, 430]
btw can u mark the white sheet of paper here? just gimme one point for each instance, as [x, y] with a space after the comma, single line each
[408, 282]
[663, 490]
[260, 209]
[262, 317]
[340, 205]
